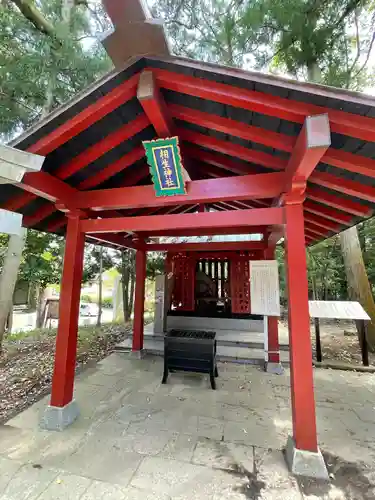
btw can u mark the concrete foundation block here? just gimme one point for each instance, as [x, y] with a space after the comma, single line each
[275, 368]
[57, 419]
[137, 354]
[305, 463]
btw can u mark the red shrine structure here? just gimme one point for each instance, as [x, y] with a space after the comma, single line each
[289, 161]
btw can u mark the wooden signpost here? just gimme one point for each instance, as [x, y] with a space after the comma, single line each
[330, 309]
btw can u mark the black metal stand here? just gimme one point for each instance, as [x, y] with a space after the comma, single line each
[363, 342]
[190, 351]
[319, 356]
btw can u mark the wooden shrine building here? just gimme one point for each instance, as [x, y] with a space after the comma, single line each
[267, 156]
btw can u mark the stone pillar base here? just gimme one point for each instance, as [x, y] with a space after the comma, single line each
[137, 354]
[275, 368]
[57, 419]
[305, 463]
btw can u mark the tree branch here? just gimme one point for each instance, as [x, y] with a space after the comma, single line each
[367, 57]
[31, 13]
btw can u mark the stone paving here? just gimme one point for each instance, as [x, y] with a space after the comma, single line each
[139, 440]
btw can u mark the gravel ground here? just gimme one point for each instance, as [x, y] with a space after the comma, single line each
[26, 363]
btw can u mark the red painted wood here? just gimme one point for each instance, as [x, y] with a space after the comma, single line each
[114, 168]
[314, 229]
[226, 147]
[18, 201]
[100, 148]
[203, 191]
[154, 105]
[327, 213]
[41, 184]
[205, 247]
[240, 284]
[183, 296]
[341, 122]
[351, 188]
[90, 115]
[40, 214]
[66, 341]
[304, 157]
[275, 140]
[218, 160]
[335, 201]
[194, 231]
[301, 373]
[205, 221]
[139, 300]
[321, 222]
[349, 161]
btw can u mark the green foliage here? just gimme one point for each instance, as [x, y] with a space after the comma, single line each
[42, 259]
[107, 302]
[37, 73]
[92, 262]
[326, 40]
[86, 298]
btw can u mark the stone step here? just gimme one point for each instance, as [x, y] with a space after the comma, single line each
[229, 353]
[250, 340]
[202, 323]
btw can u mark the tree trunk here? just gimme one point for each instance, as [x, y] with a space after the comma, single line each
[132, 285]
[128, 283]
[125, 278]
[358, 284]
[8, 277]
[40, 306]
[100, 301]
[10, 320]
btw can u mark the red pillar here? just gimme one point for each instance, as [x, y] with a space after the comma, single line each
[66, 341]
[139, 299]
[301, 371]
[273, 324]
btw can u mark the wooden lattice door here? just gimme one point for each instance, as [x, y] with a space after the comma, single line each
[183, 298]
[240, 284]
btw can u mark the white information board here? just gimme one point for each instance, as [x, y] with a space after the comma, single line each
[334, 309]
[264, 287]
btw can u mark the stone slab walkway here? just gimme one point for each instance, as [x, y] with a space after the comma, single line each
[139, 440]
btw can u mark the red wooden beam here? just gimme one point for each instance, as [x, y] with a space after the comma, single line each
[337, 158]
[18, 201]
[212, 171]
[250, 133]
[153, 104]
[332, 200]
[223, 162]
[212, 246]
[322, 222]
[349, 161]
[90, 115]
[114, 168]
[47, 186]
[312, 143]
[351, 188]
[196, 231]
[341, 122]
[312, 228]
[98, 149]
[226, 147]
[203, 191]
[328, 213]
[85, 158]
[43, 212]
[113, 239]
[205, 221]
